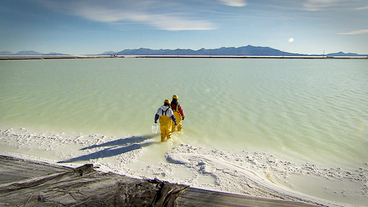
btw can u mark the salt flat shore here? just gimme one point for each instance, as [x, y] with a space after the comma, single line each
[30, 183]
[255, 179]
[46, 57]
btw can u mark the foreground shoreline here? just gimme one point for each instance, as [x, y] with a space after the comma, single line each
[47, 57]
[30, 183]
[252, 176]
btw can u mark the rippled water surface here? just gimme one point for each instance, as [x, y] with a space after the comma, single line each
[309, 110]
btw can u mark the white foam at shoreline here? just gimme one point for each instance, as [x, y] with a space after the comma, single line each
[257, 174]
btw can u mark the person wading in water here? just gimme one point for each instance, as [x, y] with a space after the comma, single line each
[178, 113]
[165, 115]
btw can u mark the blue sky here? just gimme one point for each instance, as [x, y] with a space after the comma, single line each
[96, 26]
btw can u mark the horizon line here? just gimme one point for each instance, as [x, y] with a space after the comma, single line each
[111, 52]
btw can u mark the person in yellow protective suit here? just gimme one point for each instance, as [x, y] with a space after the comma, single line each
[178, 112]
[165, 115]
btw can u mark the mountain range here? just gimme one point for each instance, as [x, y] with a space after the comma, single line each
[230, 51]
[29, 52]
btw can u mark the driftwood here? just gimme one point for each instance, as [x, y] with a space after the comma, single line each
[26, 183]
[83, 186]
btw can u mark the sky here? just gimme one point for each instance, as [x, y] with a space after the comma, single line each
[96, 26]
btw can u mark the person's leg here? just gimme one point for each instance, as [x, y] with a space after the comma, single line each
[169, 128]
[172, 126]
[178, 121]
[163, 135]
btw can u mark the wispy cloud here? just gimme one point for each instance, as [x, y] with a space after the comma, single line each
[164, 15]
[315, 5]
[161, 21]
[355, 32]
[172, 23]
[362, 8]
[235, 3]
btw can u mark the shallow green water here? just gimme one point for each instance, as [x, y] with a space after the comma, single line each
[309, 110]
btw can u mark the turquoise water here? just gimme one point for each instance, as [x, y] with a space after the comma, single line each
[310, 110]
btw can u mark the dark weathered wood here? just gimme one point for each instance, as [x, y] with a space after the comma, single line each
[27, 183]
[199, 197]
[13, 169]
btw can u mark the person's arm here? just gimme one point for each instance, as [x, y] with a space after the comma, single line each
[181, 111]
[156, 117]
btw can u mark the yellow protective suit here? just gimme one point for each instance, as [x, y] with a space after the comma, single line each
[178, 121]
[165, 127]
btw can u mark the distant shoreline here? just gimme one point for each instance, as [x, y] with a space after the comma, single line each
[46, 57]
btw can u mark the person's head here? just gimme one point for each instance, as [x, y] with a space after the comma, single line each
[167, 102]
[175, 98]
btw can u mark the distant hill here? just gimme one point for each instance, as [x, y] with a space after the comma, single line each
[55, 53]
[344, 54]
[243, 51]
[109, 53]
[28, 52]
[236, 51]
[6, 53]
[223, 51]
